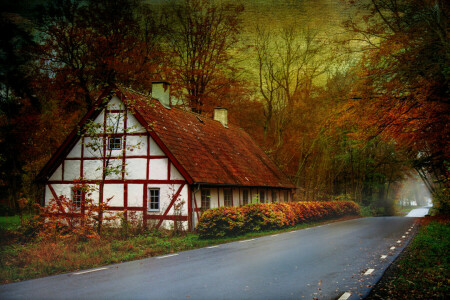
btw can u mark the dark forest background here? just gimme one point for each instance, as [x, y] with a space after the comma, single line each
[359, 114]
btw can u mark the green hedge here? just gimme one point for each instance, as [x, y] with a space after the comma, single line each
[227, 221]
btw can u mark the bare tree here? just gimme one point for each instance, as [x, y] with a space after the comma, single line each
[288, 62]
[202, 35]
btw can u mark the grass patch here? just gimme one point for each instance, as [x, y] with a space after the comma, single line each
[21, 260]
[422, 270]
[9, 222]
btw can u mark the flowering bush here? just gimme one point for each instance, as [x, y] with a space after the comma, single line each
[223, 221]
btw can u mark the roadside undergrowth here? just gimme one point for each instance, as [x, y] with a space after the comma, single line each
[27, 259]
[422, 271]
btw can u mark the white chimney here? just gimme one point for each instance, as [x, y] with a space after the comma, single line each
[221, 115]
[161, 92]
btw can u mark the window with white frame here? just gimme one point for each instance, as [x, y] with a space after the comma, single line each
[153, 199]
[228, 197]
[206, 199]
[274, 196]
[245, 197]
[114, 143]
[77, 196]
[262, 196]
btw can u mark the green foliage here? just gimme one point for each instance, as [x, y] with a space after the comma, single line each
[226, 221]
[9, 222]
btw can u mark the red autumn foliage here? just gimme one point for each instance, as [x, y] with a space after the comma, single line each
[226, 221]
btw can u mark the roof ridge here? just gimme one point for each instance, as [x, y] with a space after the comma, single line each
[129, 89]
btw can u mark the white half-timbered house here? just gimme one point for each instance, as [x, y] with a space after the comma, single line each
[162, 155]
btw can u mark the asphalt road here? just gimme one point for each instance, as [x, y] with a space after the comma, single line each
[324, 262]
[419, 212]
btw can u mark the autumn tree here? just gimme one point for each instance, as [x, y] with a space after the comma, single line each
[87, 43]
[202, 36]
[403, 91]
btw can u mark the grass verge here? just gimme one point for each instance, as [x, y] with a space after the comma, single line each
[422, 270]
[9, 222]
[22, 260]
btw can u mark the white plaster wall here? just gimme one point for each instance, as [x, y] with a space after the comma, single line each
[94, 192]
[236, 197]
[90, 151]
[76, 150]
[60, 189]
[155, 149]
[115, 103]
[158, 169]
[166, 193]
[136, 145]
[174, 174]
[100, 118]
[66, 190]
[71, 169]
[135, 195]
[115, 167]
[116, 192]
[133, 124]
[214, 197]
[115, 122]
[170, 225]
[136, 168]
[57, 175]
[92, 169]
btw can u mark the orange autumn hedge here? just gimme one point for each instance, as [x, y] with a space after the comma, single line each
[227, 221]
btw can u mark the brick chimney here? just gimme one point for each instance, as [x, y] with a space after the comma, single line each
[221, 115]
[161, 92]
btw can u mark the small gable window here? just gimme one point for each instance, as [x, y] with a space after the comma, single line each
[153, 203]
[262, 197]
[206, 199]
[274, 196]
[77, 196]
[114, 143]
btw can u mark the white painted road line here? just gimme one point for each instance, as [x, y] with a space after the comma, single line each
[274, 234]
[90, 271]
[369, 271]
[170, 255]
[392, 248]
[210, 247]
[246, 240]
[345, 296]
[383, 256]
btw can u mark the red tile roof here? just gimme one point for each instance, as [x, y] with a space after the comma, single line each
[209, 152]
[206, 151]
